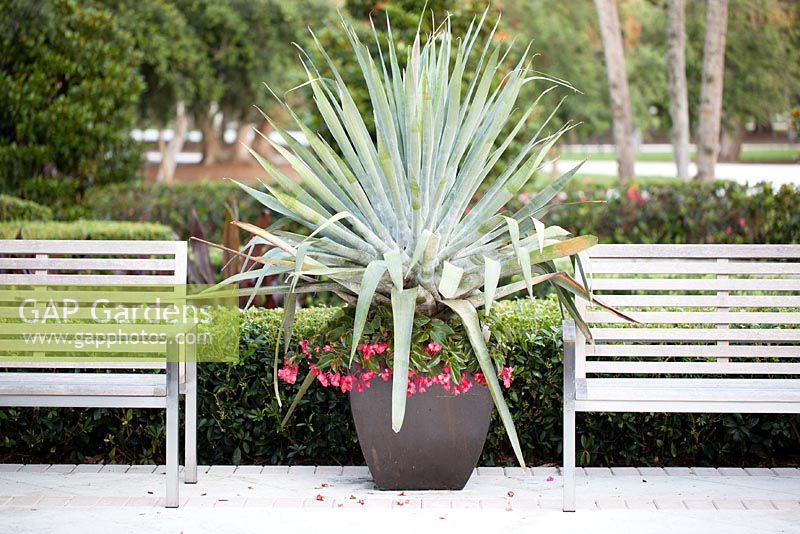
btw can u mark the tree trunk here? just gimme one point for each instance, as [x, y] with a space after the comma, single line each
[240, 152]
[676, 76]
[166, 170]
[213, 148]
[617, 86]
[711, 89]
[262, 146]
[730, 143]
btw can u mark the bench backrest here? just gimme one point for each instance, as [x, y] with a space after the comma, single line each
[90, 264]
[703, 309]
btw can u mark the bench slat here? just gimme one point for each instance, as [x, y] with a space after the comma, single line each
[697, 334]
[697, 317]
[692, 267]
[696, 284]
[694, 351]
[104, 247]
[695, 251]
[713, 368]
[87, 279]
[72, 364]
[85, 384]
[702, 301]
[88, 264]
[676, 389]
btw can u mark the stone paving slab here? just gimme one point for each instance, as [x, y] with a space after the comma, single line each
[695, 499]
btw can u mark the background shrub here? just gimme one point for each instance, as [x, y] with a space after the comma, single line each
[86, 230]
[670, 212]
[16, 209]
[239, 419]
[69, 85]
[172, 204]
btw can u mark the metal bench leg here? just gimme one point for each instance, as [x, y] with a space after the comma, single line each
[569, 460]
[190, 453]
[172, 434]
[568, 473]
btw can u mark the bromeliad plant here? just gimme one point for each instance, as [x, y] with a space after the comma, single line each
[392, 217]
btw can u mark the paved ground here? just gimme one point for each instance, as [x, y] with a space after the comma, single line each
[90, 498]
[776, 173]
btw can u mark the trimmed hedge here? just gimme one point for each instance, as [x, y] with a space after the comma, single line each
[17, 209]
[86, 230]
[666, 211]
[239, 419]
[718, 212]
[172, 204]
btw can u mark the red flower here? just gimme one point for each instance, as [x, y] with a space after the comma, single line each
[367, 350]
[347, 383]
[335, 378]
[506, 375]
[479, 378]
[304, 346]
[742, 222]
[433, 348]
[288, 373]
[633, 193]
[386, 373]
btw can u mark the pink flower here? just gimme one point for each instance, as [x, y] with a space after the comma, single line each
[288, 373]
[433, 348]
[304, 346]
[323, 379]
[728, 230]
[379, 348]
[633, 193]
[550, 478]
[347, 383]
[320, 497]
[335, 378]
[742, 222]
[316, 348]
[479, 378]
[366, 376]
[327, 348]
[411, 388]
[385, 374]
[506, 375]
[367, 350]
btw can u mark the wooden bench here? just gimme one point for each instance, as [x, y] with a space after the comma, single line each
[718, 334]
[109, 384]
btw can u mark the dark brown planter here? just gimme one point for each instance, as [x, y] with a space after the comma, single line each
[440, 442]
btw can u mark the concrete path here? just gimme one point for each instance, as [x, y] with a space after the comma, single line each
[776, 173]
[92, 498]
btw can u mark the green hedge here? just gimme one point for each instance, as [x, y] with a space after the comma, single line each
[172, 204]
[719, 212]
[17, 209]
[239, 417]
[663, 211]
[86, 230]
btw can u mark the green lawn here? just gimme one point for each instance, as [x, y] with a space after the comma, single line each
[754, 155]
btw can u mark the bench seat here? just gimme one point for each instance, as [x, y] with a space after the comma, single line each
[83, 384]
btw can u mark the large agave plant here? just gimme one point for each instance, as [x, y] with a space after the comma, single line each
[392, 217]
